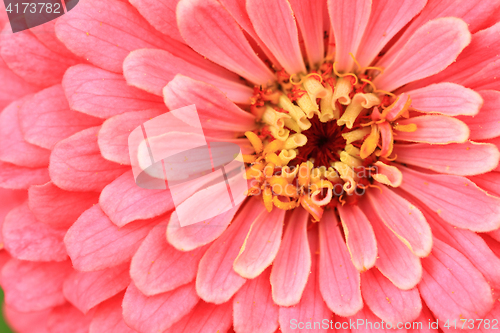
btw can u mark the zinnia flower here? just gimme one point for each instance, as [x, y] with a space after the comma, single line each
[369, 131]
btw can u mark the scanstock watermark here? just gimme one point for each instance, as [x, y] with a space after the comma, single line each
[355, 324]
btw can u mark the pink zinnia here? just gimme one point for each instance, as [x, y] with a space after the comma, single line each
[370, 138]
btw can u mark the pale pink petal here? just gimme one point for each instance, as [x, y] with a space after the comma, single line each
[311, 307]
[339, 280]
[26, 238]
[349, 19]
[56, 207]
[446, 272]
[490, 182]
[253, 307]
[16, 88]
[32, 286]
[387, 174]
[161, 15]
[446, 98]
[26, 322]
[462, 159]
[267, 18]
[67, 318]
[205, 317]
[108, 317]
[16, 177]
[486, 124]
[261, 244]
[103, 94]
[47, 119]
[221, 39]
[76, 163]
[359, 236]
[434, 130]
[216, 281]
[215, 110]
[123, 201]
[404, 219]
[456, 199]
[14, 148]
[158, 267]
[388, 302]
[387, 18]
[151, 70]
[496, 142]
[293, 262]
[395, 260]
[85, 290]
[492, 316]
[157, 313]
[31, 60]
[94, 242]
[438, 42]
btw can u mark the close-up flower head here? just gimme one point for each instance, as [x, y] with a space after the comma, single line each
[250, 166]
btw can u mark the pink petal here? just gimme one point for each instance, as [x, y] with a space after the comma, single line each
[215, 110]
[158, 267]
[16, 177]
[157, 313]
[47, 119]
[485, 125]
[485, 78]
[16, 88]
[10, 199]
[67, 318]
[56, 207]
[103, 94]
[359, 236]
[434, 129]
[463, 159]
[220, 40]
[438, 42]
[26, 322]
[31, 60]
[205, 317]
[446, 98]
[387, 18]
[349, 20]
[85, 290]
[338, 278]
[422, 322]
[261, 244]
[151, 70]
[24, 291]
[387, 174]
[123, 201]
[161, 15]
[95, 243]
[14, 148]
[404, 219]
[389, 303]
[46, 33]
[76, 163]
[365, 316]
[446, 272]
[311, 307]
[490, 182]
[216, 281]
[456, 199]
[395, 260]
[105, 32]
[28, 239]
[292, 265]
[108, 317]
[268, 17]
[253, 306]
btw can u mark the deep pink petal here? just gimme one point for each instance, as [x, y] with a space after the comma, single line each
[158, 267]
[24, 290]
[359, 236]
[438, 42]
[16, 177]
[26, 322]
[157, 313]
[85, 290]
[94, 242]
[108, 317]
[485, 125]
[339, 280]
[205, 317]
[490, 182]
[103, 94]
[434, 129]
[261, 245]
[253, 306]
[220, 39]
[421, 324]
[26, 238]
[16, 88]
[446, 272]
[67, 318]
[76, 163]
[456, 199]
[485, 78]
